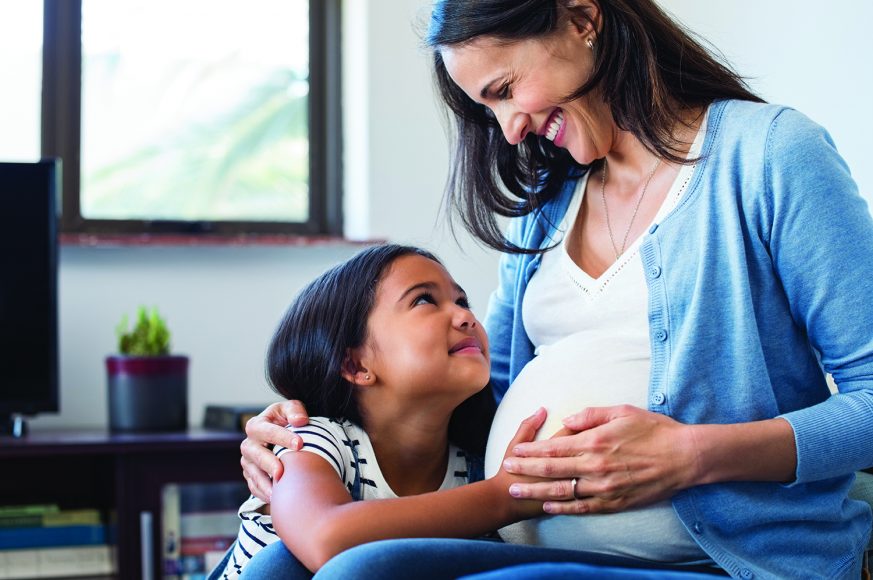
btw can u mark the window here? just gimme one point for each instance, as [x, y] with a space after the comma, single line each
[196, 116]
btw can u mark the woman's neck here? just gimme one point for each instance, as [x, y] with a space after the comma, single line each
[630, 161]
[411, 445]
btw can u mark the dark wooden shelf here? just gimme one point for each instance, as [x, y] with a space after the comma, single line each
[71, 441]
[120, 473]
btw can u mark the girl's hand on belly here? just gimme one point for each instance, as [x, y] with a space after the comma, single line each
[505, 483]
[621, 457]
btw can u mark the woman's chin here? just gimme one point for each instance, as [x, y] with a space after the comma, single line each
[583, 156]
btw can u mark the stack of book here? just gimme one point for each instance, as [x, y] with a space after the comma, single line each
[44, 541]
[200, 523]
[229, 417]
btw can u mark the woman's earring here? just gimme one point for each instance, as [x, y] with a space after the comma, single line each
[367, 377]
[590, 43]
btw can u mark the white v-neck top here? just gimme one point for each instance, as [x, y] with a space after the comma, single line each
[563, 300]
[592, 349]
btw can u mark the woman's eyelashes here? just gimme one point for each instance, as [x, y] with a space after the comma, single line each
[501, 94]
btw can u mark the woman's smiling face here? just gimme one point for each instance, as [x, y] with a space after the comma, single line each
[525, 84]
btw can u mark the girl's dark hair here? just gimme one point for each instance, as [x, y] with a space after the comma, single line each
[329, 316]
[648, 68]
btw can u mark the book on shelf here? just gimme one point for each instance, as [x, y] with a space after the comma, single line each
[51, 518]
[171, 532]
[32, 509]
[45, 541]
[229, 417]
[200, 523]
[66, 562]
[54, 536]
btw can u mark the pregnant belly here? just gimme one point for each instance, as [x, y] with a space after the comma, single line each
[565, 378]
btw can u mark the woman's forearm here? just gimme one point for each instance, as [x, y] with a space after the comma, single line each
[623, 457]
[755, 451]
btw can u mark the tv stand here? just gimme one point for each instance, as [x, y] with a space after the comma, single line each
[13, 425]
[120, 473]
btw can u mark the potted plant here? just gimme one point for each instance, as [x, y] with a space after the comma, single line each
[148, 387]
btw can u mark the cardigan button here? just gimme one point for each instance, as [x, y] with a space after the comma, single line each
[653, 229]
[654, 272]
[747, 574]
[661, 335]
[658, 398]
[697, 527]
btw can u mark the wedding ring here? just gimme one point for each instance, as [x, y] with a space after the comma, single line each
[573, 484]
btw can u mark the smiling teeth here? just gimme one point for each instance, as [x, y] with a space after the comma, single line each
[555, 126]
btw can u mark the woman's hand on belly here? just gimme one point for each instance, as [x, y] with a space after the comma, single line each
[621, 457]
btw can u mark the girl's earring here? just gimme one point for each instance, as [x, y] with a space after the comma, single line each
[590, 43]
[367, 377]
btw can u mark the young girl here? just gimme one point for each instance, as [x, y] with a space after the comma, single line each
[391, 363]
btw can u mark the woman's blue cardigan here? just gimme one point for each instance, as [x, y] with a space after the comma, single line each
[760, 281]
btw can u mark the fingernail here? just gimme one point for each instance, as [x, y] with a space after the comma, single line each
[508, 465]
[548, 507]
[296, 417]
[515, 490]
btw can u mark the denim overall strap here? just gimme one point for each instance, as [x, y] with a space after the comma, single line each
[475, 468]
[355, 489]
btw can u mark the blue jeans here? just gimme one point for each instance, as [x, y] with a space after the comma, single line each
[275, 561]
[439, 559]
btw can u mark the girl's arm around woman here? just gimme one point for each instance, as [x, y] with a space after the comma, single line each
[317, 519]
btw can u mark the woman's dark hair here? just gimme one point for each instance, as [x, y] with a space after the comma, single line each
[306, 354]
[648, 68]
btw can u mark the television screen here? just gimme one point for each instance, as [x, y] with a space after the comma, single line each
[28, 288]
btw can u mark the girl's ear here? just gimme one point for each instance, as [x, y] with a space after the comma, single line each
[355, 371]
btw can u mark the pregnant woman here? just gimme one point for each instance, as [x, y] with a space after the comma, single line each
[683, 265]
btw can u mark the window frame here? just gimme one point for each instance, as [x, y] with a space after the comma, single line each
[61, 131]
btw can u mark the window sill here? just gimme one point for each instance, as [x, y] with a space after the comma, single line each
[208, 240]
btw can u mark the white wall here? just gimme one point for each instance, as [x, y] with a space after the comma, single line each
[222, 302]
[813, 56]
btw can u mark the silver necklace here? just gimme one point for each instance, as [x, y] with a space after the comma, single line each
[603, 177]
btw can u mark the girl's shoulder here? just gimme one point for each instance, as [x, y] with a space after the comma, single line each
[337, 441]
[339, 435]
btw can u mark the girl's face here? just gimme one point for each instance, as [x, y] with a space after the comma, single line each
[422, 337]
[525, 84]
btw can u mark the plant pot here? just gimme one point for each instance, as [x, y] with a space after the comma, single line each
[147, 393]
